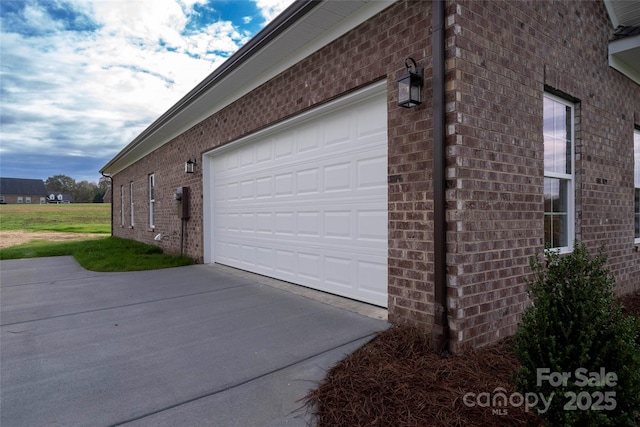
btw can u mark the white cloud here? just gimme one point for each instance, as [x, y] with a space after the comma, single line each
[72, 93]
[114, 78]
[272, 8]
[37, 17]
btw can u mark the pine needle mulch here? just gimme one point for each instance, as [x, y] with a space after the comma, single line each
[396, 380]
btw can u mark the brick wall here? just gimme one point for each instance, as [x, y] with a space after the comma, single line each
[502, 57]
[12, 199]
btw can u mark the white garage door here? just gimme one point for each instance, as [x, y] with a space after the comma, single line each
[306, 201]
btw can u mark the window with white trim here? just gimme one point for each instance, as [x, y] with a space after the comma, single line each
[559, 141]
[636, 184]
[19, 199]
[152, 200]
[28, 199]
[122, 205]
[131, 222]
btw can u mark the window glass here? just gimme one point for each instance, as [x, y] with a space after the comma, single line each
[557, 137]
[122, 205]
[636, 181]
[152, 200]
[131, 204]
[556, 212]
[558, 171]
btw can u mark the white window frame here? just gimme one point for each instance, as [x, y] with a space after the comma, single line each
[636, 185]
[568, 177]
[152, 200]
[20, 200]
[28, 200]
[131, 205]
[122, 205]
[43, 200]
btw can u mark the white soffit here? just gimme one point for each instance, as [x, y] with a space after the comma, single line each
[317, 28]
[624, 53]
[624, 56]
[623, 12]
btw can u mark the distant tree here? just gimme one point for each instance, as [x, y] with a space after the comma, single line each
[84, 192]
[60, 184]
[81, 192]
[104, 184]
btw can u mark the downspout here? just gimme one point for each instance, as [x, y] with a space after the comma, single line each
[111, 187]
[440, 330]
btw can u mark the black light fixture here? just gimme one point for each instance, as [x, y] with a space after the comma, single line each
[190, 166]
[410, 85]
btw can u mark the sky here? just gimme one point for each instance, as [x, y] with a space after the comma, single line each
[80, 79]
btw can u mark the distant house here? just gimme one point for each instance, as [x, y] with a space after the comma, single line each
[19, 191]
[59, 198]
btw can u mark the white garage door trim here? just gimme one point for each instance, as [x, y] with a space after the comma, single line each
[309, 208]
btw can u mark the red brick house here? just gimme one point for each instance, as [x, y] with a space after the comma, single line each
[22, 191]
[305, 168]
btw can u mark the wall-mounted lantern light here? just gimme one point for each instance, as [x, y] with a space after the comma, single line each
[190, 166]
[410, 85]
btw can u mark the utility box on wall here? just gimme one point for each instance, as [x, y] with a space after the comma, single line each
[182, 197]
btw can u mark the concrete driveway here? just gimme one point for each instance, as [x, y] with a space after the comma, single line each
[190, 346]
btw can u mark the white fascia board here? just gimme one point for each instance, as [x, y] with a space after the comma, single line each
[244, 79]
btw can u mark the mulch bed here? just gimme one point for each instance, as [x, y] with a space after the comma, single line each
[396, 380]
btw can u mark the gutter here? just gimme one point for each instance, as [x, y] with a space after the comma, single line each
[111, 187]
[440, 329]
[276, 27]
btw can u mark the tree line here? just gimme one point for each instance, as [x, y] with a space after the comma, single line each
[81, 192]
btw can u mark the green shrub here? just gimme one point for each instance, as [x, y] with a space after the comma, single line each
[574, 323]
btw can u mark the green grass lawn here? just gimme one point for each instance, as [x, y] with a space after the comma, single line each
[97, 254]
[103, 254]
[71, 218]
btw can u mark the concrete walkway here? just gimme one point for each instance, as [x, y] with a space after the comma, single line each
[188, 346]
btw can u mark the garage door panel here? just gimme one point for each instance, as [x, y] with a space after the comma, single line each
[371, 275]
[372, 226]
[337, 224]
[247, 157]
[372, 172]
[309, 224]
[309, 266]
[264, 187]
[308, 204]
[283, 145]
[285, 261]
[360, 278]
[339, 271]
[308, 181]
[334, 222]
[309, 140]
[284, 224]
